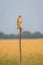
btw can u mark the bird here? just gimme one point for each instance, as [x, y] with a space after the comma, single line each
[19, 21]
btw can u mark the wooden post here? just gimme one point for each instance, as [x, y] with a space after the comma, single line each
[20, 46]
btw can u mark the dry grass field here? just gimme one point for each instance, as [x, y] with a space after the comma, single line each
[29, 46]
[32, 52]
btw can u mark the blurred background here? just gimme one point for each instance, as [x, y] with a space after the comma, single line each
[30, 10]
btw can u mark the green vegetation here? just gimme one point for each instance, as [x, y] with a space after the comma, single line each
[29, 60]
[8, 61]
[25, 35]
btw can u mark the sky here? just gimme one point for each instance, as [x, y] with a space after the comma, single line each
[30, 10]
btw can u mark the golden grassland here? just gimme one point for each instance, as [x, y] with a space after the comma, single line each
[29, 46]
